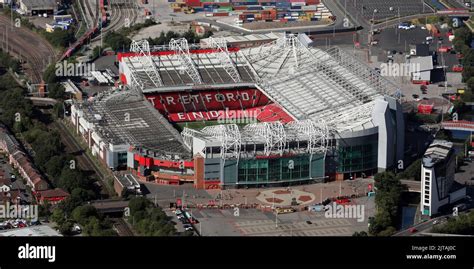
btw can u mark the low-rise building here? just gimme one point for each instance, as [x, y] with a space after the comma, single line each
[51, 196]
[35, 7]
[420, 69]
[20, 161]
[124, 183]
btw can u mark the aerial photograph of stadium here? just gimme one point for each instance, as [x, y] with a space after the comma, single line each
[237, 118]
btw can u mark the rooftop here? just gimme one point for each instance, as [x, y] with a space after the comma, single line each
[424, 63]
[53, 193]
[309, 83]
[39, 3]
[438, 151]
[127, 181]
[124, 117]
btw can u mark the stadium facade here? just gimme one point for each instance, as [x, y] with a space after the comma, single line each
[276, 114]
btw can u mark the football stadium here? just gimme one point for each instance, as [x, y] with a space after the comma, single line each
[282, 113]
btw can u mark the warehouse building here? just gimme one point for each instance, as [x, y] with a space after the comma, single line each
[35, 7]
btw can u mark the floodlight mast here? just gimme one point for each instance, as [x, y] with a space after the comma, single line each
[142, 47]
[223, 56]
[181, 48]
[230, 138]
[273, 134]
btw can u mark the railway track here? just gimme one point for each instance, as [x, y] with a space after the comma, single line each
[29, 47]
[83, 160]
[118, 15]
[122, 228]
[78, 19]
[91, 15]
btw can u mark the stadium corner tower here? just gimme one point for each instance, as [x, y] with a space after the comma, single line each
[282, 113]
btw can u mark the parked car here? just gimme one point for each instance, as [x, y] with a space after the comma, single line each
[413, 230]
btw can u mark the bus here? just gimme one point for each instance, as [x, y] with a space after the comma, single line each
[280, 210]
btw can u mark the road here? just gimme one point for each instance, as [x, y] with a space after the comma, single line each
[28, 46]
[423, 226]
[394, 22]
[413, 186]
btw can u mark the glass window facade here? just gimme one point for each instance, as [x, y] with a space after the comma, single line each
[357, 158]
[274, 170]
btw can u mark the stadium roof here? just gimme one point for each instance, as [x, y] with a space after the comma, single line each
[309, 83]
[126, 117]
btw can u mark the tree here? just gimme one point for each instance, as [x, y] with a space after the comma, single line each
[137, 204]
[463, 224]
[387, 201]
[56, 91]
[463, 34]
[83, 194]
[49, 75]
[71, 179]
[360, 234]
[470, 84]
[44, 210]
[389, 231]
[117, 41]
[97, 52]
[412, 172]
[81, 214]
[60, 38]
[54, 166]
[66, 228]
[468, 63]
[58, 216]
